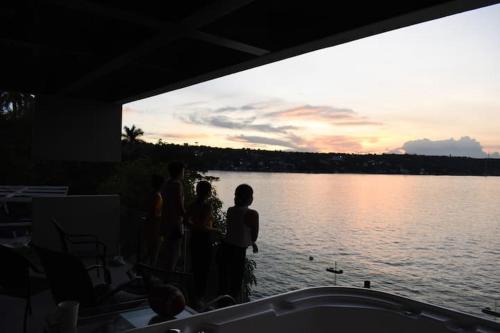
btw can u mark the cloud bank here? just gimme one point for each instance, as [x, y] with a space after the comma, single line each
[465, 146]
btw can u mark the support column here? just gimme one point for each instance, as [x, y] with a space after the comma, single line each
[76, 130]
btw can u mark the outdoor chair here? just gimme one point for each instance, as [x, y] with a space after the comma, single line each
[15, 278]
[82, 245]
[69, 279]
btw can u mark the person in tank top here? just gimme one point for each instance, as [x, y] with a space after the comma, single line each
[242, 225]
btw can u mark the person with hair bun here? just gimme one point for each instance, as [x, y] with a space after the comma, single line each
[200, 219]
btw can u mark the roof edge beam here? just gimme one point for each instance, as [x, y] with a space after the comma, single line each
[412, 18]
[169, 32]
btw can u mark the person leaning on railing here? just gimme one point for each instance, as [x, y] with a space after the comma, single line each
[200, 219]
[242, 232]
[152, 224]
[172, 228]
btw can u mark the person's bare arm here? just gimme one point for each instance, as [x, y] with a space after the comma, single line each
[252, 221]
[152, 207]
[179, 195]
[210, 221]
[206, 217]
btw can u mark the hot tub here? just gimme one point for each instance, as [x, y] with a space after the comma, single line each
[329, 309]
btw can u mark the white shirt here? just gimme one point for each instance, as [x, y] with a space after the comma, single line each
[238, 233]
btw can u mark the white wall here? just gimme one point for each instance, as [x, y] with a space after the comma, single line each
[89, 214]
[76, 130]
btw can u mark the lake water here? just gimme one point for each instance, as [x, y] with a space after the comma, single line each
[432, 238]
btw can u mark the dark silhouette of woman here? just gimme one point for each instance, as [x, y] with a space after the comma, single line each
[152, 224]
[200, 218]
[172, 227]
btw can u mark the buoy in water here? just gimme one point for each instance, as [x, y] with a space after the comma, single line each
[311, 258]
[334, 269]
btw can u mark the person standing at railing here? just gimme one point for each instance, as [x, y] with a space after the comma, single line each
[152, 235]
[200, 219]
[242, 231]
[172, 228]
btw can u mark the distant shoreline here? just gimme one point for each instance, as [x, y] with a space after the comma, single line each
[351, 173]
[204, 158]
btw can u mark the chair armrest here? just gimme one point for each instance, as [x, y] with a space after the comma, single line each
[97, 243]
[94, 237]
[226, 298]
[89, 268]
[141, 267]
[119, 288]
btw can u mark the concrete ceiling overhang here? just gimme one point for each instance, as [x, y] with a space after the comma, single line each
[120, 50]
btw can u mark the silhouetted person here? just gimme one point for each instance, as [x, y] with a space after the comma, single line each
[242, 232]
[173, 213]
[152, 224]
[201, 220]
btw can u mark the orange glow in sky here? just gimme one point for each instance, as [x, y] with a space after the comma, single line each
[431, 88]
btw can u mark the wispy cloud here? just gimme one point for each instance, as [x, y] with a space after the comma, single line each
[248, 123]
[190, 104]
[336, 143]
[310, 111]
[226, 109]
[154, 136]
[281, 123]
[323, 143]
[262, 105]
[261, 140]
[335, 116]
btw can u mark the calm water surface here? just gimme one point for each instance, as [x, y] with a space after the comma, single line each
[434, 239]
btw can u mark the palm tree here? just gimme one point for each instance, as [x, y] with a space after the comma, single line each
[131, 134]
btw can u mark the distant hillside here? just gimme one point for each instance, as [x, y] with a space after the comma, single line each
[210, 158]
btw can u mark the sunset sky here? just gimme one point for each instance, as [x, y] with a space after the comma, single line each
[432, 88]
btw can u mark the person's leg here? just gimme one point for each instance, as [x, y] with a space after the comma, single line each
[222, 265]
[196, 261]
[153, 244]
[237, 271]
[205, 263]
[144, 243]
[157, 251]
[172, 250]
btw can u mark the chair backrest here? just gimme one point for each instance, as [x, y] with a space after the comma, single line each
[14, 272]
[68, 278]
[63, 236]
